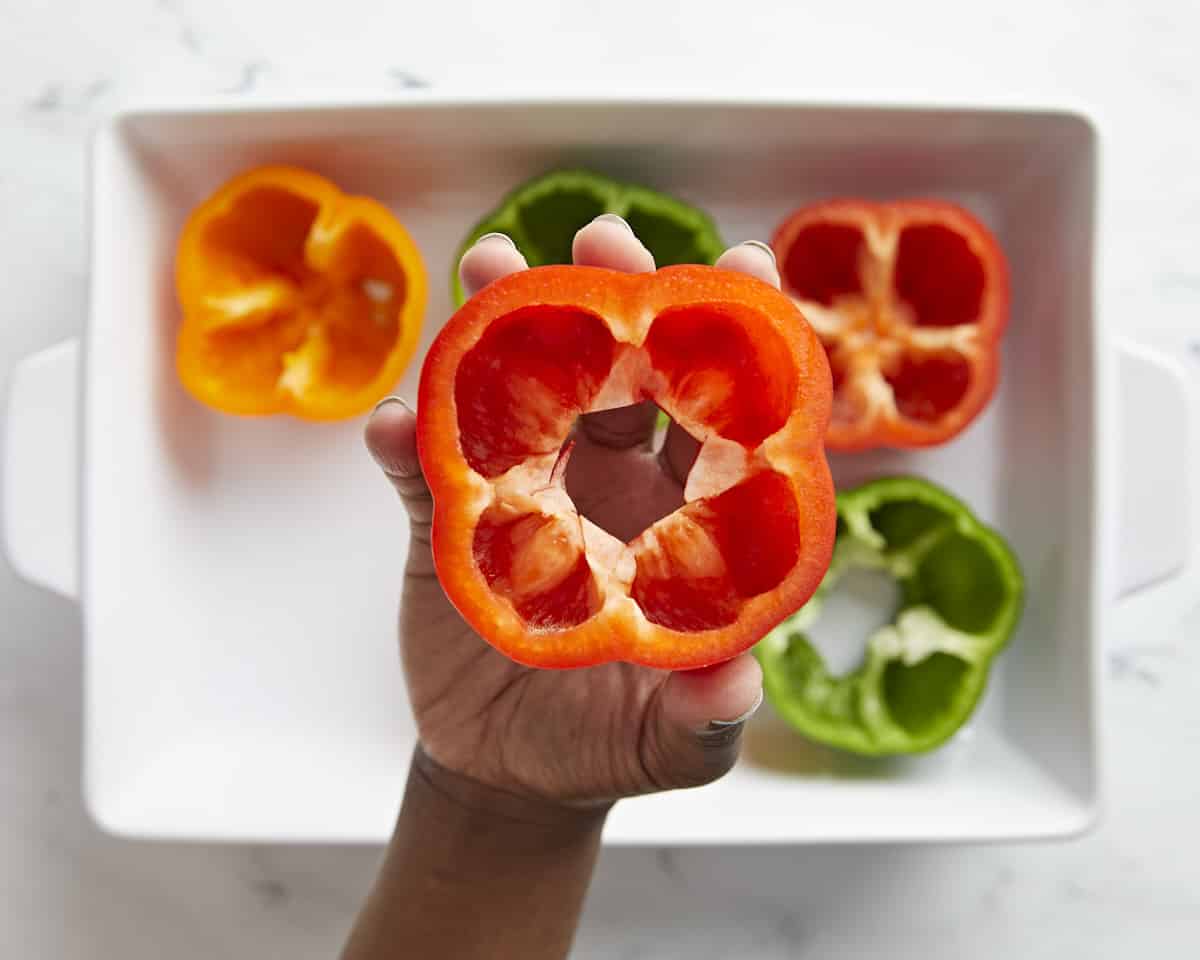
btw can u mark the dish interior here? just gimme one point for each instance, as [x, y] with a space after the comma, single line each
[240, 576]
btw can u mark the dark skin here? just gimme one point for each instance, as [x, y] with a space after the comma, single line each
[517, 768]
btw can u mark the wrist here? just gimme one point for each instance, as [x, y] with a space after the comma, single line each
[472, 801]
[473, 871]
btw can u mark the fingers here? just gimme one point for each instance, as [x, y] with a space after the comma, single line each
[697, 722]
[608, 241]
[679, 452]
[391, 437]
[493, 256]
[753, 258]
[623, 427]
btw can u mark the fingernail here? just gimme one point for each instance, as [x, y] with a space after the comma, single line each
[394, 399]
[737, 722]
[759, 245]
[501, 236]
[613, 218]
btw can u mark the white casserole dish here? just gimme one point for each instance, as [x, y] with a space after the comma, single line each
[238, 578]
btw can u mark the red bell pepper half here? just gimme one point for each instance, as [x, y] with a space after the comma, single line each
[910, 300]
[731, 359]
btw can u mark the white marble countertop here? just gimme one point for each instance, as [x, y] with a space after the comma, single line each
[1130, 888]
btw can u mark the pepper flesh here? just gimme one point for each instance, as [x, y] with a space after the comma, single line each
[542, 216]
[296, 298]
[731, 359]
[910, 300]
[923, 673]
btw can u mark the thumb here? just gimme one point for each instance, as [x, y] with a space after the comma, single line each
[696, 722]
[391, 437]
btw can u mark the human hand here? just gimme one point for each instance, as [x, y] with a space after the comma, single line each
[581, 737]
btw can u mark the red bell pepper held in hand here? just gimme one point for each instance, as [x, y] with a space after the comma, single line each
[910, 300]
[736, 365]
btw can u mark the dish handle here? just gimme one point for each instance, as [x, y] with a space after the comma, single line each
[1158, 544]
[41, 468]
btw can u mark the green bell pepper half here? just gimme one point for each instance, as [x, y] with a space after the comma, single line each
[542, 216]
[922, 674]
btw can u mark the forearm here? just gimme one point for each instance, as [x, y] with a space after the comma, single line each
[475, 872]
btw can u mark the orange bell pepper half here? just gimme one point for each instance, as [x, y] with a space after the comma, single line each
[731, 359]
[296, 298]
[910, 300]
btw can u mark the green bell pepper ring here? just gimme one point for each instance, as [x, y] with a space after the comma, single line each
[542, 216]
[923, 673]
